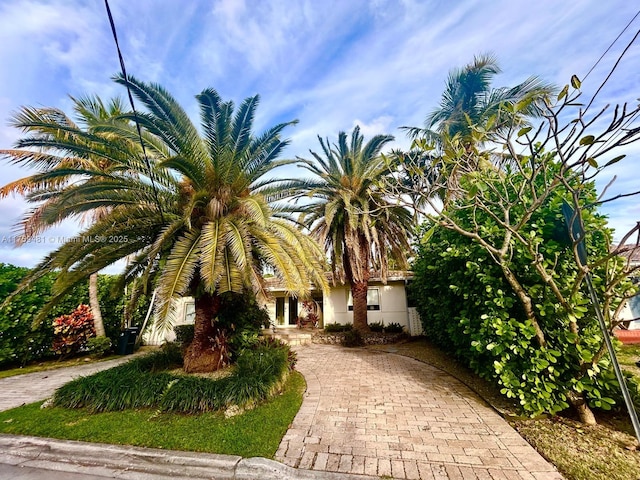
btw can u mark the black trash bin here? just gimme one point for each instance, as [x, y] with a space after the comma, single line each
[127, 340]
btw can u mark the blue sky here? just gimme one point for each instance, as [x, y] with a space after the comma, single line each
[330, 64]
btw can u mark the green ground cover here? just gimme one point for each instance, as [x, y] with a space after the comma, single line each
[254, 433]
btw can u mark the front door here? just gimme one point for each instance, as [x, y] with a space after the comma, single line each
[293, 311]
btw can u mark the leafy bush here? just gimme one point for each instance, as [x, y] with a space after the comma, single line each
[337, 327]
[22, 342]
[72, 332]
[393, 327]
[352, 338]
[145, 383]
[242, 318]
[376, 326]
[99, 346]
[184, 334]
[467, 307]
[278, 344]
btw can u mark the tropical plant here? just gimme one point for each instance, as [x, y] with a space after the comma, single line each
[146, 383]
[469, 100]
[359, 227]
[50, 130]
[471, 114]
[513, 214]
[72, 332]
[189, 211]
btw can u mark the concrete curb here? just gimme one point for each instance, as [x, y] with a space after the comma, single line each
[135, 463]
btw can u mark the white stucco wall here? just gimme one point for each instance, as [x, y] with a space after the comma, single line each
[182, 307]
[393, 305]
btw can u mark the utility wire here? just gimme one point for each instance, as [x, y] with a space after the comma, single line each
[612, 44]
[133, 108]
[615, 66]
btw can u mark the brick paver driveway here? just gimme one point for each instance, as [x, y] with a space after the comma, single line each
[376, 413]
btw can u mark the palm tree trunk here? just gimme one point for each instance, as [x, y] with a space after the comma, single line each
[360, 310]
[356, 267]
[94, 303]
[208, 351]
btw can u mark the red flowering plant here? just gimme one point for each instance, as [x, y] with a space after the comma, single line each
[310, 316]
[71, 332]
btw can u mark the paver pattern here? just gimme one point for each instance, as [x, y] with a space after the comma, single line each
[380, 414]
[33, 387]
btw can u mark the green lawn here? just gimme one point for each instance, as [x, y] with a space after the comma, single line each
[628, 355]
[255, 433]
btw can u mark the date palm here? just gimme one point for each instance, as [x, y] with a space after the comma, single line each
[49, 129]
[192, 216]
[350, 216]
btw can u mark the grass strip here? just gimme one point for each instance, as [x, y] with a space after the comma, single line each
[254, 433]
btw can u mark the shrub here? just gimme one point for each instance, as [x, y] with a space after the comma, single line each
[145, 383]
[352, 338]
[242, 318]
[99, 346]
[376, 326]
[184, 334]
[22, 342]
[337, 327]
[72, 332]
[467, 307]
[393, 327]
[278, 344]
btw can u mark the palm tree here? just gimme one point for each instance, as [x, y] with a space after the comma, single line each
[191, 215]
[49, 127]
[472, 113]
[359, 227]
[469, 100]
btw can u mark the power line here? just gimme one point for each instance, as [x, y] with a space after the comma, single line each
[613, 69]
[612, 44]
[133, 108]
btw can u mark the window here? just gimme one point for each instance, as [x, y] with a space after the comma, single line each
[189, 312]
[373, 300]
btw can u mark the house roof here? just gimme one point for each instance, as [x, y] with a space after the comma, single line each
[630, 252]
[275, 284]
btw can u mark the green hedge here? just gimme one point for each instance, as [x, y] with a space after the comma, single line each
[19, 342]
[468, 308]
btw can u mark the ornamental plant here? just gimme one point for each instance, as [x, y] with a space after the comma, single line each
[500, 256]
[72, 332]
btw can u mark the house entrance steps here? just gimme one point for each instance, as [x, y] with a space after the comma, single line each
[292, 336]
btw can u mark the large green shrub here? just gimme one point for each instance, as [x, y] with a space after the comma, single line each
[20, 340]
[467, 307]
[242, 318]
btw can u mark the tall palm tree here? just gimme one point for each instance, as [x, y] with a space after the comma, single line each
[469, 100]
[48, 128]
[471, 113]
[359, 227]
[192, 215]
